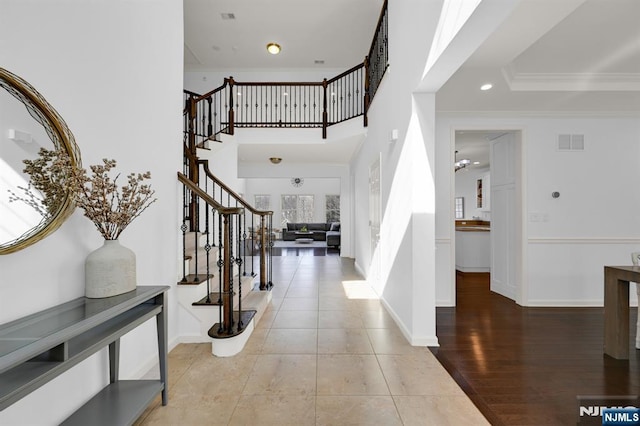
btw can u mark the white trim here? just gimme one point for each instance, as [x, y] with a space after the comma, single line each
[152, 361]
[193, 338]
[579, 240]
[569, 303]
[535, 114]
[473, 269]
[359, 269]
[443, 240]
[413, 341]
[590, 82]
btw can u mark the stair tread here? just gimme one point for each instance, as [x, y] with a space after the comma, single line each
[213, 301]
[194, 279]
[247, 316]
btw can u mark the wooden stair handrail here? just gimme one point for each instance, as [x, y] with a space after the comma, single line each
[207, 198]
[212, 92]
[347, 72]
[205, 166]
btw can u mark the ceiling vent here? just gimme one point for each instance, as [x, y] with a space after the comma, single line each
[570, 142]
[228, 16]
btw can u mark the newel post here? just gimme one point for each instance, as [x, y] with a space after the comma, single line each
[367, 97]
[324, 109]
[192, 112]
[227, 296]
[263, 254]
[231, 111]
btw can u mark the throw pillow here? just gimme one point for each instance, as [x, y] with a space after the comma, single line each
[335, 226]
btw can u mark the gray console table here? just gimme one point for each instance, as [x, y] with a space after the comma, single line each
[37, 348]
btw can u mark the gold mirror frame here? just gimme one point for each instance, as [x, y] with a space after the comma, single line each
[62, 139]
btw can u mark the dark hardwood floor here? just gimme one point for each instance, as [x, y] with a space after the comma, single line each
[527, 366]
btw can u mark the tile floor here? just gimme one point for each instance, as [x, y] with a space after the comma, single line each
[325, 353]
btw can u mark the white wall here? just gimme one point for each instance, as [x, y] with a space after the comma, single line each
[403, 265]
[113, 70]
[276, 187]
[595, 221]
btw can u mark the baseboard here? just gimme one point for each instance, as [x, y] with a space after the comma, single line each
[413, 341]
[359, 269]
[152, 361]
[564, 304]
[473, 269]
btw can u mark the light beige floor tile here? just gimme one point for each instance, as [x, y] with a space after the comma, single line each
[299, 304]
[305, 292]
[267, 319]
[377, 319]
[190, 351]
[291, 341]
[268, 385]
[212, 376]
[256, 341]
[215, 414]
[282, 375]
[331, 291]
[438, 410]
[296, 319]
[417, 375]
[274, 410]
[350, 375]
[344, 341]
[391, 341]
[339, 319]
[334, 303]
[356, 410]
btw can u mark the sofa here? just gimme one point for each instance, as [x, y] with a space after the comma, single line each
[329, 232]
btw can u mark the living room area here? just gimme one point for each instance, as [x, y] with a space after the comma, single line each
[306, 212]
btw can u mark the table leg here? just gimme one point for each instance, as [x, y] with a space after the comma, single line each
[616, 317]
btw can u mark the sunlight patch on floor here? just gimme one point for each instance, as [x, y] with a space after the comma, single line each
[358, 289]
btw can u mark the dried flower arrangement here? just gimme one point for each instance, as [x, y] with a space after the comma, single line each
[47, 174]
[110, 208]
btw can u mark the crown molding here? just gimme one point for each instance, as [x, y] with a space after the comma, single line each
[570, 82]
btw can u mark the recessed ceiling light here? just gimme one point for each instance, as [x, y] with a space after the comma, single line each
[275, 160]
[273, 48]
[486, 86]
[475, 163]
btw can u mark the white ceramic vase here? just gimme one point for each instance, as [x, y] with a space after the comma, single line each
[110, 270]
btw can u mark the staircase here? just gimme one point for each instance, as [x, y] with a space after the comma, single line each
[220, 294]
[227, 243]
[201, 301]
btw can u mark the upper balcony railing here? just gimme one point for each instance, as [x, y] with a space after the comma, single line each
[321, 104]
[238, 104]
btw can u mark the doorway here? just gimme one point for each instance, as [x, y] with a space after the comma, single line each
[487, 182]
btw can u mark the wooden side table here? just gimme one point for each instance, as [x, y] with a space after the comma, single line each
[616, 309]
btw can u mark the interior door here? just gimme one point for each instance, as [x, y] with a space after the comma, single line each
[504, 207]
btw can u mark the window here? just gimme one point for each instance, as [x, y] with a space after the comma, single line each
[459, 207]
[297, 208]
[262, 202]
[332, 208]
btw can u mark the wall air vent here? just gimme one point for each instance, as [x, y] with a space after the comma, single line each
[570, 142]
[226, 16]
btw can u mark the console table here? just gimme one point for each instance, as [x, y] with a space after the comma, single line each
[39, 347]
[616, 309]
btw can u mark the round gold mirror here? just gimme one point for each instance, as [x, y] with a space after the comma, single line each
[27, 124]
